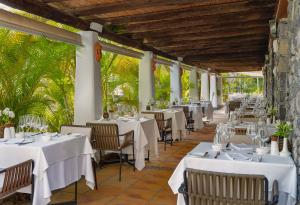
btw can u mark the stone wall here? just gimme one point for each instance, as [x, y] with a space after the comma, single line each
[294, 74]
[281, 68]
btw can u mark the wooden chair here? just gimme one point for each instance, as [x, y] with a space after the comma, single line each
[213, 188]
[17, 177]
[164, 127]
[240, 131]
[106, 137]
[232, 105]
[190, 122]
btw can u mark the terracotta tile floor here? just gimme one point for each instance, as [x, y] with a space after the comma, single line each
[146, 187]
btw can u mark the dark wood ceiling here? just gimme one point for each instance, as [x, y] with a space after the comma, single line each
[224, 35]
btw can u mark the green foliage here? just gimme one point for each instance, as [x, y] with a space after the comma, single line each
[162, 85]
[283, 129]
[241, 85]
[272, 111]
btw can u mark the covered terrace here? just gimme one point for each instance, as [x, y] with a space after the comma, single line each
[211, 39]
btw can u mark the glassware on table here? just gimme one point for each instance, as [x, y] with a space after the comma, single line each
[252, 132]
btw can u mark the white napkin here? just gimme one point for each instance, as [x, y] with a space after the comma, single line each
[242, 146]
[197, 154]
[237, 156]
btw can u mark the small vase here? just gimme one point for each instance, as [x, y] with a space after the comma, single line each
[285, 152]
[274, 146]
[12, 132]
[7, 133]
[274, 119]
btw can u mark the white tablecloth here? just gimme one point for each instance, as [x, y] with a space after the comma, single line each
[178, 122]
[146, 135]
[208, 108]
[197, 116]
[57, 163]
[273, 167]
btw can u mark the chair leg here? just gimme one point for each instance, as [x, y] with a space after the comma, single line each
[133, 157]
[120, 170]
[95, 174]
[32, 188]
[148, 159]
[165, 140]
[75, 198]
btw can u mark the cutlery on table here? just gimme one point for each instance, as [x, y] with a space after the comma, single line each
[216, 156]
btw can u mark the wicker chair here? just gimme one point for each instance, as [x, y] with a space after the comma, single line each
[240, 131]
[232, 105]
[164, 127]
[190, 122]
[213, 188]
[17, 177]
[106, 137]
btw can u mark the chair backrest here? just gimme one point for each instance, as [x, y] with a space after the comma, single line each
[17, 177]
[81, 129]
[213, 188]
[233, 105]
[240, 131]
[105, 136]
[159, 117]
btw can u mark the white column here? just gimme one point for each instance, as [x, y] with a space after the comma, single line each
[220, 90]
[213, 90]
[88, 92]
[204, 86]
[176, 87]
[194, 94]
[146, 80]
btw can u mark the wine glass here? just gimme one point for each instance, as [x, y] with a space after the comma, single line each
[252, 132]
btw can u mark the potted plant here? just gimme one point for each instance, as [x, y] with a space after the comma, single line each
[283, 130]
[6, 120]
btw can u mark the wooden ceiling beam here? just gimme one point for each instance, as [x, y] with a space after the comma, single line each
[43, 10]
[200, 29]
[208, 43]
[116, 7]
[235, 7]
[210, 35]
[241, 49]
[190, 22]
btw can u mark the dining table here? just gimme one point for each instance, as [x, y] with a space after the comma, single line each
[197, 116]
[146, 135]
[273, 167]
[58, 162]
[178, 120]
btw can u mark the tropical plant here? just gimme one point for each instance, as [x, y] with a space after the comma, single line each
[284, 129]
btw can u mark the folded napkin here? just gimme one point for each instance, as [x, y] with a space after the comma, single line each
[237, 156]
[241, 146]
[197, 154]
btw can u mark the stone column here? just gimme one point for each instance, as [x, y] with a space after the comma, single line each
[213, 90]
[204, 86]
[88, 91]
[194, 93]
[146, 80]
[220, 91]
[176, 87]
[281, 68]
